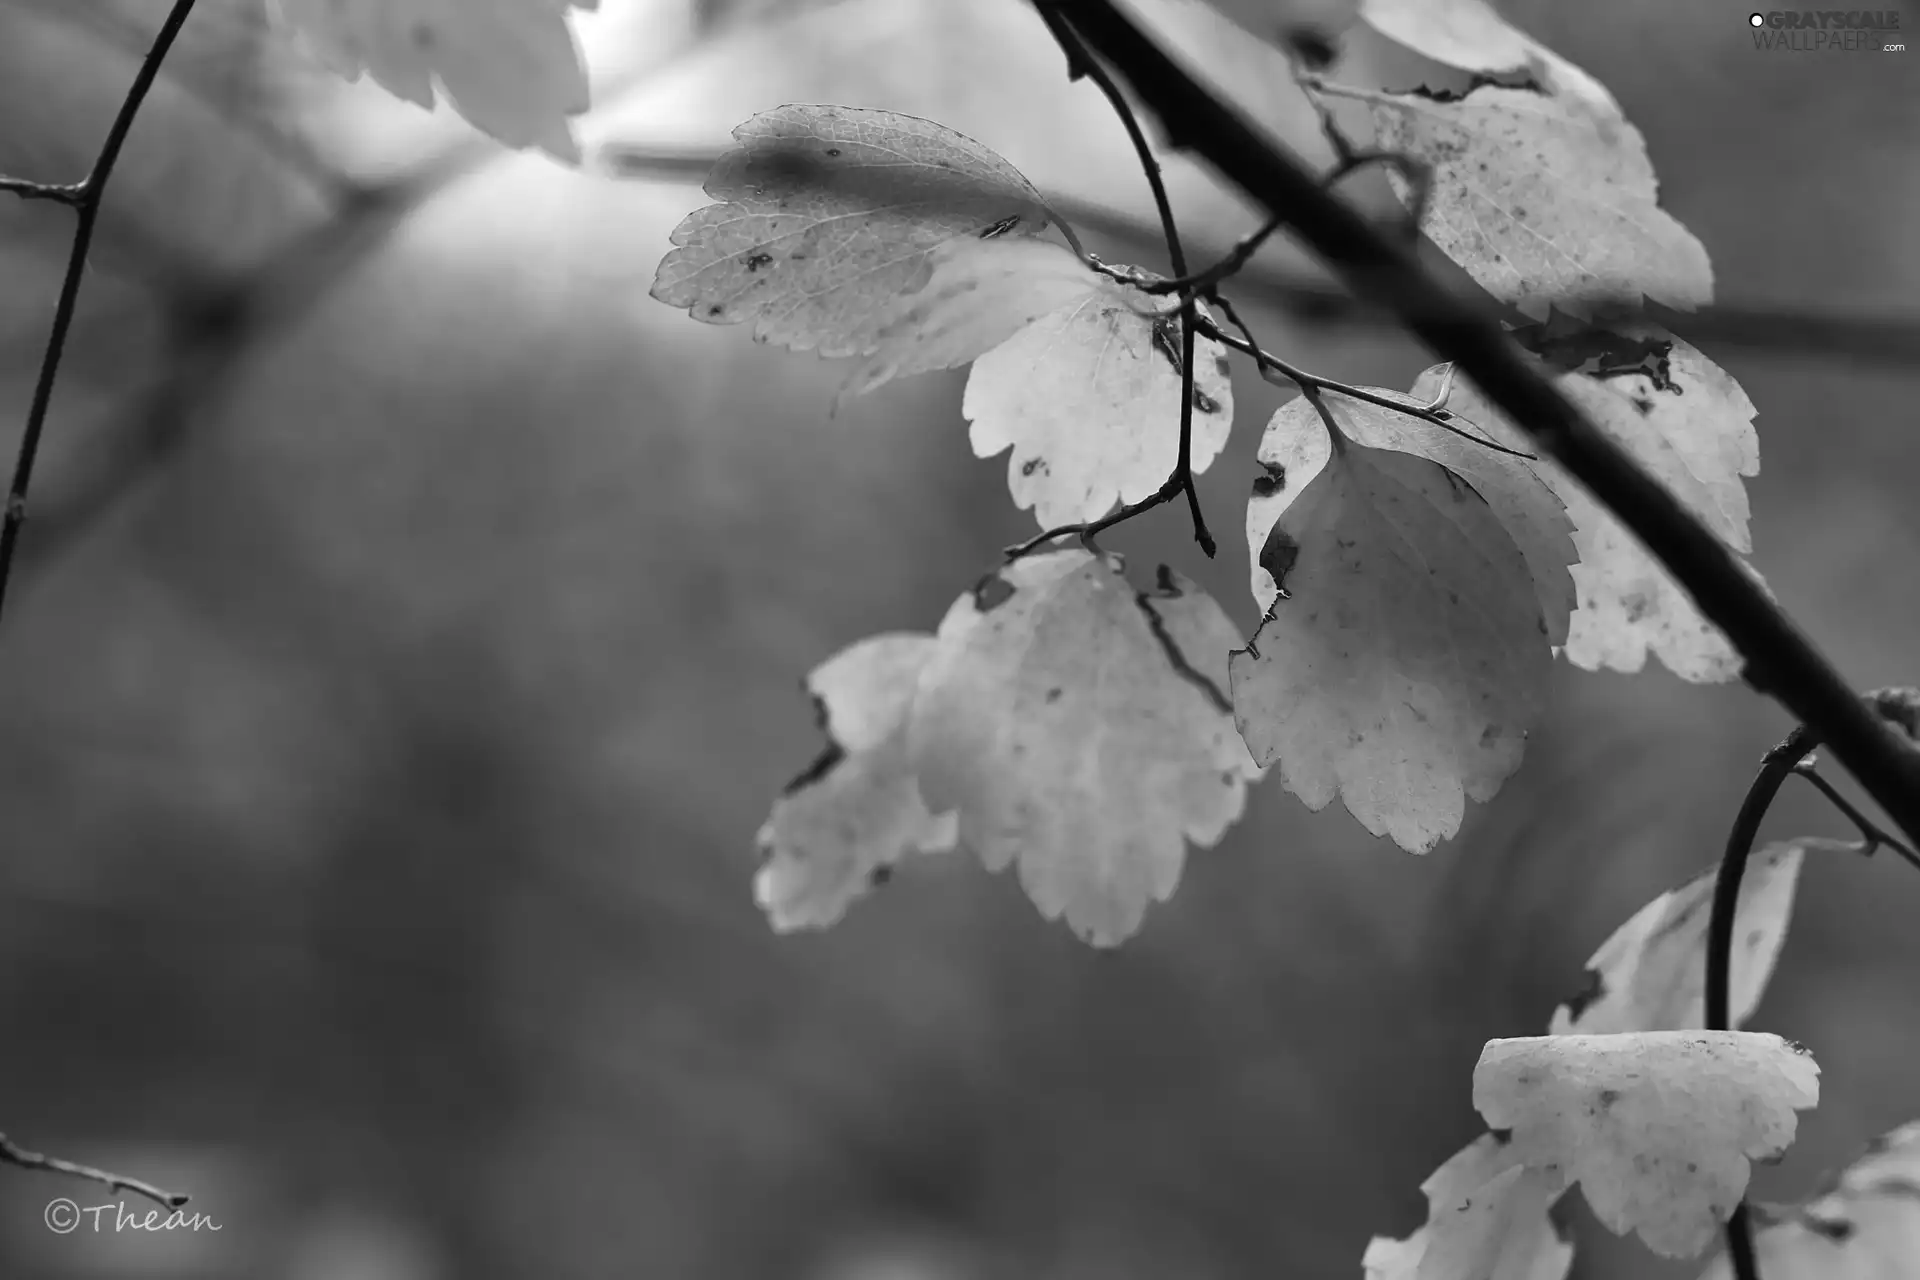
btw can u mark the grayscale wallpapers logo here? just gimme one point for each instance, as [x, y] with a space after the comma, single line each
[1828, 30]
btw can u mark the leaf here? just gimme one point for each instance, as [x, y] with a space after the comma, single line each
[857, 810]
[1651, 973]
[1408, 659]
[1470, 35]
[1689, 423]
[979, 294]
[1866, 1226]
[830, 214]
[1486, 1220]
[1658, 1127]
[1541, 198]
[511, 67]
[1088, 398]
[1078, 728]
[1528, 510]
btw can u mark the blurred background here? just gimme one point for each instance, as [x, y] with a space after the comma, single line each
[408, 637]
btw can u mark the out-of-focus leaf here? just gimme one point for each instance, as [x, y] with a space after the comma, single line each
[1486, 1220]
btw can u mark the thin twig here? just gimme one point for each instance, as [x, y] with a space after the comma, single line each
[113, 1182]
[67, 195]
[1779, 658]
[1873, 838]
[1081, 63]
[1778, 764]
[1274, 369]
[1205, 280]
[86, 205]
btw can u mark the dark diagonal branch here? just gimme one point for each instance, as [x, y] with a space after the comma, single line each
[1779, 658]
[84, 197]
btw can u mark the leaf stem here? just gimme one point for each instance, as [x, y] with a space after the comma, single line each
[1780, 660]
[1081, 63]
[84, 197]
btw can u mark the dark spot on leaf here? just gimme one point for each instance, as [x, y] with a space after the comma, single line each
[1836, 1229]
[759, 260]
[1272, 482]
[1221, 366]
[1596, 987]
[1204, 403]
[1053, 695]
[1164, 584]
[1278, 556]
[1031, 465]
[1608, 1097]
[878, 877]
[1001, 227]
[834, 152]
[1313, 48]
[991, 592]
[823, 764]
[717, 308]
[1644, 405]
[1501, 1136]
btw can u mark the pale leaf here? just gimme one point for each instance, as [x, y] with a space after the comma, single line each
[1468, 34]
[1657, 1127]
[979, 294]
[1651, 974]
[1541, 198]
[1528, 510]
[1408, 658]
[858, 810]
[1486, 1220]
[828, 215]
[511, 67]
[1689, 423]
[1078, 727]
[1088, 398]
[1291, 24]
[1866, 1227]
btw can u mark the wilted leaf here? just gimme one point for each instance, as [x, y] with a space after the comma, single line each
[980, 293]
[1468, 34]
[511, 67]
[1408, 659]
[1866, 1227]
[1533, 517]
[831, 214]
[1088, 397]
[1651, 974]
[1658, 1127]
[857, 810]
[1689, 423]
[1541, 198]
[1486, 1220]
[1078, 727]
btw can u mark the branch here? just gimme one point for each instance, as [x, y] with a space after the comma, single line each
[113, 1182]
[1780, 660]
[1080, 63]
[84, 197]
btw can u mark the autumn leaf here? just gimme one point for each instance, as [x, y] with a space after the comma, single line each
[1078, 727]
[828, 215]
[1657, 1127]
[1526, 508]
[1651, 974]
[1406, 657]
[979, 294]
[1690, 424]
[1541, 198]
[1486, 1220]
[1088, 399]
[857, 810]
[1866, 1226]
[512, 68]
[1470, 35]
